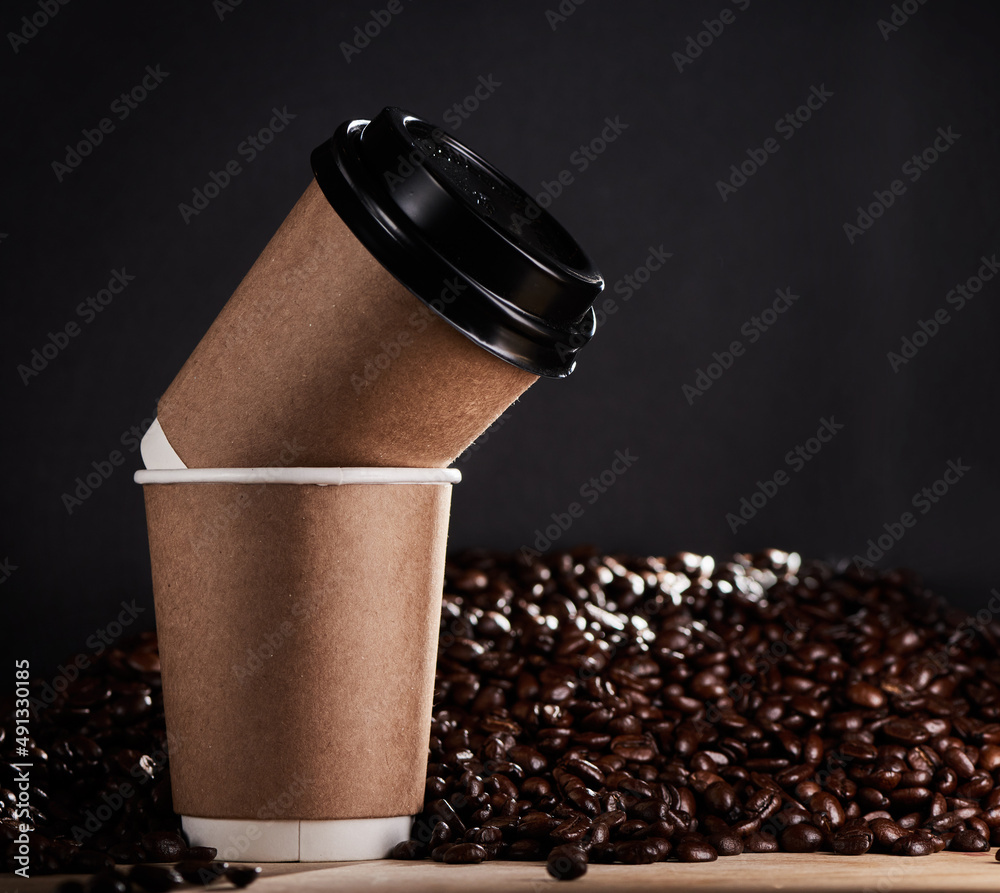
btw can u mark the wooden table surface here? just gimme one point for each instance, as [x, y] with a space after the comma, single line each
[796, 873]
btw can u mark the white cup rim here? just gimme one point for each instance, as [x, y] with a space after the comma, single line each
[323, 477]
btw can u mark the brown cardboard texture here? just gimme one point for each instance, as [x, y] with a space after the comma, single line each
[322, 349]
[298, 630]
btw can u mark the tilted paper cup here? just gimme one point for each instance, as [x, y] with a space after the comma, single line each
[409, 297]
[297, 611]
[320, 344]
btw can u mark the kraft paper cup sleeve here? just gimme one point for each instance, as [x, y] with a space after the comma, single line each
[297, 612]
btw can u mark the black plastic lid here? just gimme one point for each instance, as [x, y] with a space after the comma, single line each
[465, 239]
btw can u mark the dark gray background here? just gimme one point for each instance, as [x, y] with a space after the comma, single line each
[655, 185]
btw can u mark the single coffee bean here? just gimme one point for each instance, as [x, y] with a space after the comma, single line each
[726, 843]
[865, 695]
[830, 805]
[908, 731]
[720, 797]
[201, 853]
[637, 852]
[801, 838]
[528, 758]
[661, 845]
[572, 829]
[405, 849]
[537, 825]
[163, 846]
[910, 798]
[566, 862]
[442, 833]
[912, 845]
[969, 842]
[464, 853]
[761, 842]
[975, 823]
[695, 851]
[242, 875]
[202, 873]
[852, 841]
[956, 758]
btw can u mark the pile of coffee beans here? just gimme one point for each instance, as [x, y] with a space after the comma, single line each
[599, 708]
[608, 708]
[99, 789]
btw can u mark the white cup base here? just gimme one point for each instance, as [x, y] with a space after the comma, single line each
[294, 840]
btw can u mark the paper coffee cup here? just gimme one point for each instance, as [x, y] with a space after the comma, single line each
[297, 611]
[409, 297]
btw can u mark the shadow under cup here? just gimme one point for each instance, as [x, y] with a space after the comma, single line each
[297, 611]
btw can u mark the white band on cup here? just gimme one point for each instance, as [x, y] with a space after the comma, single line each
[324, 477]
[293, 840]
[156, 450]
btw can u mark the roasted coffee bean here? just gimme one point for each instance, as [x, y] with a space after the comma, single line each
[912, 845]
[852, 841]
[163, 846]
[969, 842]
[566, 862]
[661, 845]
[527, 758]
[572, 829]
[801, 838]
[586, 771]
[613, 818]
[910, 798]
[761, 842]
[830, 805]
[726, 843]
[200, 853]
[464, 853]
[486, 836]
[979, 785]
[405, 849]
[764, 803]
[637, 852]
[242, 875]
[908, 731]
[745, 827]
[206, 872]
[720, 797]
[865, 695]
[975, 823]
[956, 758]
[695, 851]
[633, 829]
[441, 834]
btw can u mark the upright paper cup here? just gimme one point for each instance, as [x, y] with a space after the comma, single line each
[297, 611]
[409, 297]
